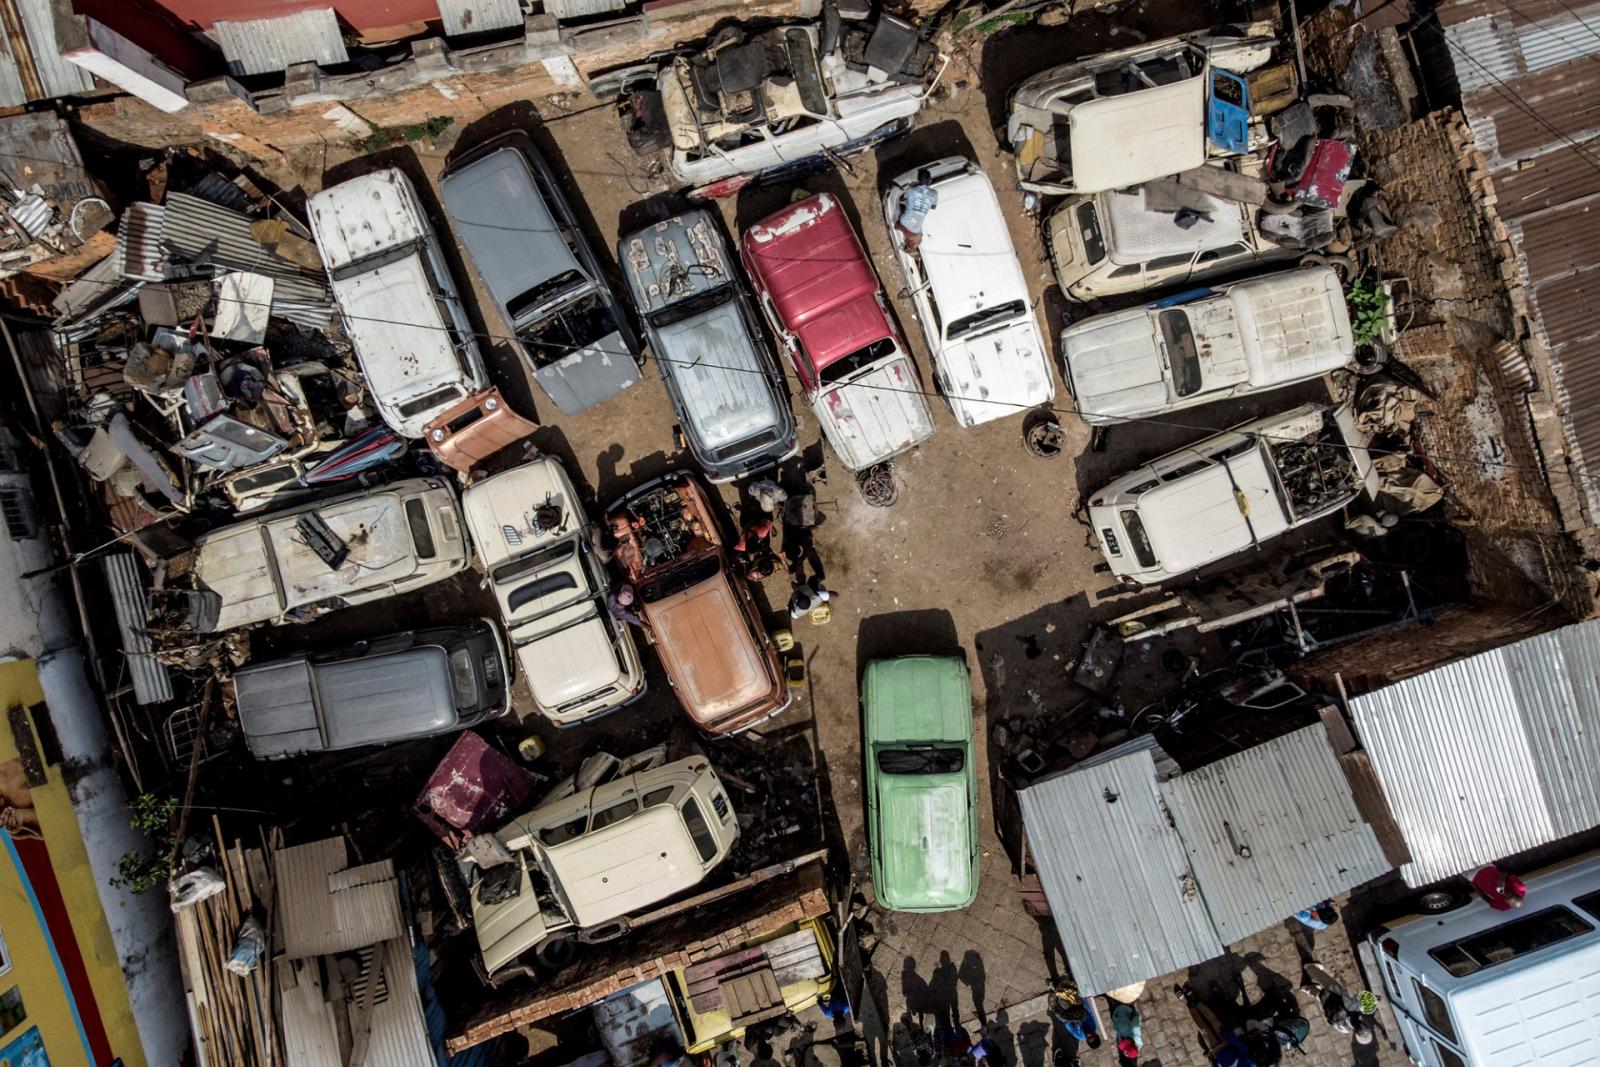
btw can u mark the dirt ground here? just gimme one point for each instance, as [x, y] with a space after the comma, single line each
[982, 554]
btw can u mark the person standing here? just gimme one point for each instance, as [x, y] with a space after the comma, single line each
[915, 203]
[1502, 889]
[620, 603]
[1128, 1025]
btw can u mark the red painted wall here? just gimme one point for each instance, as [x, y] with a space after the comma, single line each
[367, 18]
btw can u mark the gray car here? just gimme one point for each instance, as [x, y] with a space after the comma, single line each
[395, 688]
[542, 272]
[714, 360]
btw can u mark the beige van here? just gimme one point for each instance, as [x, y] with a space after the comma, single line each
[385, 541]
[584, 863]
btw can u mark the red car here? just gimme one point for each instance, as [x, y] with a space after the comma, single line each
[821, 296]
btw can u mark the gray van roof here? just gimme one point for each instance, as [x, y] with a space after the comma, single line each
[364, 701]
[509, 229]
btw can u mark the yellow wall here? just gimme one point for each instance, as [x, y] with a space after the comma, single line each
[44, 995]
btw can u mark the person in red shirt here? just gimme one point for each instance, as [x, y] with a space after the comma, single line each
[1502, 889]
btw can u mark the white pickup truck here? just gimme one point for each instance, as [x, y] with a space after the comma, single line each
[1230, 492]
[1209, 344]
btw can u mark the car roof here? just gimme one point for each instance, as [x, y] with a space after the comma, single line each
[1118, 141]
[399, 334]
[917, 699]
[1294, 324]
[618, 869]
[721, 376]
[819, 278]
[1136, 232]
[1194, 520]
[367, 214]
[674, 260]
[924, 840]
[1115, 364]
[966, 249]
[510, 231]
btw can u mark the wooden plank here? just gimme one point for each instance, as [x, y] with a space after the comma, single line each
[1374, 807]
[1227, 184]
[1339, 735]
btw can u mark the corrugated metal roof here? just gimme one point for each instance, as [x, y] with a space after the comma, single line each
[33, 68]
[399, 1035]
[1490, 755]
[577, 9]
[268, 46]
[329, 907]
[462, 17]
[139, 252]
[1118, 881]
[151, 683]
[195, 229]
[1272, 830]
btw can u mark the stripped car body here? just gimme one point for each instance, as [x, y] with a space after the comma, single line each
[766, 103]
[1121, 118]
[820, 295]
[708, 630]
[542, 272]
[718, 370]
[397, 299]
[401, 537]
[971, 299]
[1230, 492]
[1255, 335]
[529, 530]
[475, 429]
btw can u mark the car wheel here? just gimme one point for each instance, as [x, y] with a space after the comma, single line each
[555, 953]
[1440, 899]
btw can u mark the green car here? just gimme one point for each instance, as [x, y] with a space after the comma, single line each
[922, 787]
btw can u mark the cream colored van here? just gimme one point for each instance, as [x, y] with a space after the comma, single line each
[584, 863]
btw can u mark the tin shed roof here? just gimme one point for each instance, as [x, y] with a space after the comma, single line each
[328, 906]
[1489, 755]
[1146, 877]
[270, 45]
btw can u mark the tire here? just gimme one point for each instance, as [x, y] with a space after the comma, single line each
[1442, 899]
[555, 954]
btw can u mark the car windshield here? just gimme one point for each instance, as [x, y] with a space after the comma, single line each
[376, 261]
[979, 320]
[922, 760]
[839, 370]
[463, 678]
[545, 293]
[680, 578]
[698, 304]
[1178, 338]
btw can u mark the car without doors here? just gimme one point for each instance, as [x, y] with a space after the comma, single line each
[821, 297]
[707, 627]
[922, 785]
[971, 298]
[1207, 345]
[542, 272]
[716, 364]
[531, 535]
[396, 298]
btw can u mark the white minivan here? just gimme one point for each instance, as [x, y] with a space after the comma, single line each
[1475, 987]
[971, 298]
[530, 533]
[1207, 345]
[396, 298]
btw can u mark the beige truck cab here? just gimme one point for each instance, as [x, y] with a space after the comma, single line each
[583, 864]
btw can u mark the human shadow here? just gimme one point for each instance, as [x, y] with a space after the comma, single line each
[1033, 1040]
[971, 975]
[942, 1000]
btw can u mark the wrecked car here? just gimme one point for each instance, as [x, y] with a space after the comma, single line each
[576, 868]
[397, 300]
[707, 627]
[821, 297]
[1208, 345]
[769, 104]
[290, 565]
[542, 272]
[716, 364]
[1121, 118]
[1132, 240]
[1231, 492]
[530, 533]
[971, 298]
[393, 688]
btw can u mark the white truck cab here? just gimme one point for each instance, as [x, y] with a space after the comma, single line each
[1475, 987]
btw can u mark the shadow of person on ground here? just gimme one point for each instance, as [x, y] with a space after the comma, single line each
[971, 975]
[913, 989]
[942, 993]
[1033, 1039]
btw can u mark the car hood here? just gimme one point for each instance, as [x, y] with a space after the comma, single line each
[1114, 365]
[879, 412]
[594, 373]
[716, 664]
[924, 841]
[569, 655]
[1000, 372]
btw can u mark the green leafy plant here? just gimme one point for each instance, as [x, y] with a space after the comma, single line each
[383, 137]
[138, 872]
[1369, 310]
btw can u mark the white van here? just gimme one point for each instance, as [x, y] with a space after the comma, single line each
[394, 539]
[529, 530]
[1475, 987]
[1208, 345]
[971, 297]
[1114, 242]
[397, 299]
[1231, 492]
[585, 863]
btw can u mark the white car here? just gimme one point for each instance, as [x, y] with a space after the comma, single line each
[1210, 344]
[529, 530]
[396, 298]
[971, 298]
